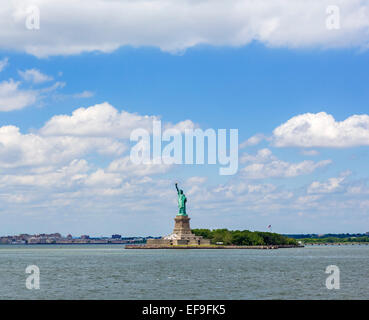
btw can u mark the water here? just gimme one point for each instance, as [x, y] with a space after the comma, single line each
[111, 272]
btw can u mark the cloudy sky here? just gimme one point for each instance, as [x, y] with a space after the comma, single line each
[72, 91]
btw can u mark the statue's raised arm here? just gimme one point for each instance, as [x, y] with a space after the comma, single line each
[177, 187]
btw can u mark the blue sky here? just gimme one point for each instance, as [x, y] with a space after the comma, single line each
[229, 86]
[57, 177]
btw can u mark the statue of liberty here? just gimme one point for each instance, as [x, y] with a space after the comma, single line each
[181, 202]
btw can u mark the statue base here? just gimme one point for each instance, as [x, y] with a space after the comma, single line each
[182, 225]
[181, 235]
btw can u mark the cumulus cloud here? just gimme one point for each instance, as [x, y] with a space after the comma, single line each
[58, 169]
[282, 169]
[322, 130]
[126, 167]
[196, 180]
[64, 167]
[174, 26]
[103, 179]
[67, 176]
[181, 126]
[100, 129]
[98, 120]
[265, 165]
[252, 141]
[330, 186]
[32, 149]
[12, 97]
[263, 155]
[35, 76]
[16, 95]
[239, 195]
[102, 120]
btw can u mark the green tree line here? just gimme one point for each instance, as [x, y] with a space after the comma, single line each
[334, 240]
[244, 237]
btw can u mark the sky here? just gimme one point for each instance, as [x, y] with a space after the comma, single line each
[74, 86]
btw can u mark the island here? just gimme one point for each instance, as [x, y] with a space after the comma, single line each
[183, 237]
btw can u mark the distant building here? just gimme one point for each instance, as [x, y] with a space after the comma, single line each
[116, 236]
[54, 235]
[85, 236]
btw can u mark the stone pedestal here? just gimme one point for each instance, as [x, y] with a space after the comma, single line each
[181, 235]
[182, 225]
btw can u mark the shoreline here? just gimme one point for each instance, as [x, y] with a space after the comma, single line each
[148, 247]
[337, 244]
[61, 244]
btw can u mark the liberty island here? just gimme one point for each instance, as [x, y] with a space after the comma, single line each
[182, 234]
[183, 237]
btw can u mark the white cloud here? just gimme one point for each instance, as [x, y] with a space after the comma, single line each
[72, 174]
[263, 155]
[3, 63]
[101, 178]
[330, 186]
[97, 121]
[322, 130]
[265, 165]
[100, 129]
[78, 95]
[252, 141]
[181, 126]
[46, 173]
[103, 120]
[14, 98]
[308, 200]
[41, 170]
[238, 188]
[84, 94]
[196, 180]
[125, 166]
[35, 76]
[57, 85]
[282, 169]
[106, 25]
[32, 149]
[358, 189]
[310, 152]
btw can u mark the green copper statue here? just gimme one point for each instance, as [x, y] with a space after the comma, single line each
[181, 202]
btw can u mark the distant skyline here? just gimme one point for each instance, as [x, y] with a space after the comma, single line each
[297, 93]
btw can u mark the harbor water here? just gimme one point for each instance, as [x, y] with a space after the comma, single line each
[111, 272]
